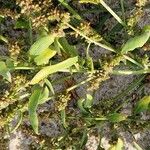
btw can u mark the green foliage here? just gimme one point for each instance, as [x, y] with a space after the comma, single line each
[85, 104]
[43, 57]
[52, 69]
[4, 71]
[136, 42]
[90, 1]
[67, 48]
[142, 105]
[41, 45]
[63, 58]
[33, 104]
[116, 117]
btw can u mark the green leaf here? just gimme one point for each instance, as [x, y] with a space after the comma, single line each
[66, 47]
[118, 146]
[143, 104]
[90, 1]
[4, 71]
[41, 45]
[44, 57]
[63, 118]
[22, 23]
[50, 86]
[44, 95]
[88, 102]
[81, 106]
[32, 107]
[3, 39]
[146, 28]
[84, 139]
[52, 69]
[116, 117]
[136, 42]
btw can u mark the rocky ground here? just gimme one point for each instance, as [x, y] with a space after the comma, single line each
[51, 127]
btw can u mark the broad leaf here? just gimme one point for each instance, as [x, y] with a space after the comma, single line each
[32, 107]
[4, 71]
[136, 42]
[116, 117]
[44, 57]
[52, 69]
[41, 45]
[143, 104]
[67, 48]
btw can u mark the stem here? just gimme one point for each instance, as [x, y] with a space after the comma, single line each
[30, 32]
[65, 4]
[123, 11]
[79, 84]
[112, 13]
[130, 72]
[91, 40]
[24, 68]
[87, 50]
[97, 119]
[133, 61]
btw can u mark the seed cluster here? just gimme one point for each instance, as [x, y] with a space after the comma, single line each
[141, 3]
[14, 50]
[8, 13]
[36, 10]
[86, 29]
[133, 20]
[103, 74]
[62, 102]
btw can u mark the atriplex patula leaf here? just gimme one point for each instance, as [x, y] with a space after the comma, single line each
[41, 44]
[136, 42]
[52, 69]
[44, 57]
[32, 107]
[143, 104]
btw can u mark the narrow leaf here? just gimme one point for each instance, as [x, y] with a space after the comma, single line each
[143, 104]
[63, 118]
[84, 139]
[136, 42]
[50, 86]
[90, 1]
[137, 147]
[2, 38]
[67, 48]
[44, 57]
[52, 69]
[81, 106]
[41, 45]
[44, 95]
[32, 107]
